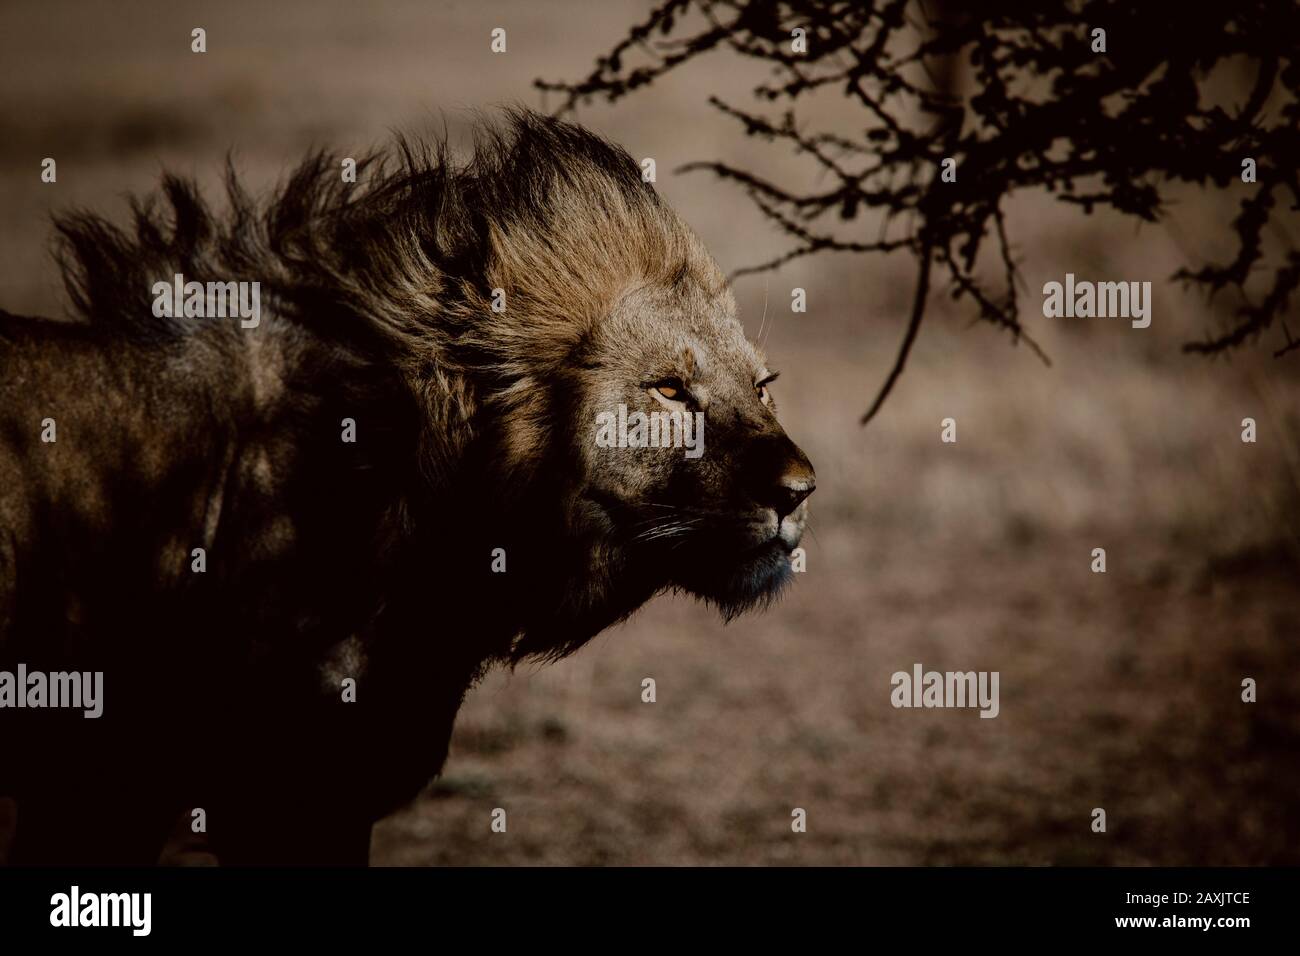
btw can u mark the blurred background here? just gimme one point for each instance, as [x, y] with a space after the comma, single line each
[1118, 690]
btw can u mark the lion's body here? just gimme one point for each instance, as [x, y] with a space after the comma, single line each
[222, 687]
[390, 481]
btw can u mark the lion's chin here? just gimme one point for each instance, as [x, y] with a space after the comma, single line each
[739, 586]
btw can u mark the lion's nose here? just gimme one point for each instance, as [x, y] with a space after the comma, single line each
[795, 485]
[791, 481]
[777, 474]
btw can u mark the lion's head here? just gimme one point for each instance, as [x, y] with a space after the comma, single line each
[682, 464]
[624, 386]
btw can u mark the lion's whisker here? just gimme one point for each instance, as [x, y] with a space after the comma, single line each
[667, 530]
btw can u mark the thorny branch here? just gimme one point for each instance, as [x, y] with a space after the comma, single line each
[1042, 110]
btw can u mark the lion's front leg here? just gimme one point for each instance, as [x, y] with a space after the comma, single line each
[296, 832]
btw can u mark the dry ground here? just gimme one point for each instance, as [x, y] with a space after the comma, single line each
[1118, 691]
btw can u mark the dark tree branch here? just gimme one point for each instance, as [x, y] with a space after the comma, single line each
[1045, 112]
[913, 326]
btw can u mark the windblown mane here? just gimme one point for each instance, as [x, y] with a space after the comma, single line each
[402, 263]
[399, 268]
[393, 279]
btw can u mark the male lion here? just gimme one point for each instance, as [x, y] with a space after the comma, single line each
[393, 478]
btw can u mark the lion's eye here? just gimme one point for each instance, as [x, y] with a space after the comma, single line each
[670, 388]
[761, 387]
